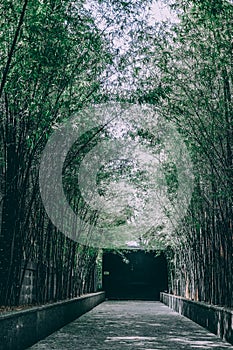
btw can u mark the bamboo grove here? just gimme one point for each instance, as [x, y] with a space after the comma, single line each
[195, 91]
[55, 60]
[201, 104]
[52, 54]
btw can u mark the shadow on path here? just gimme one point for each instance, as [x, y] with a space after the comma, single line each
[132, 325]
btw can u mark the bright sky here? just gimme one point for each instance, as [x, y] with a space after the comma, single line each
[161, 12]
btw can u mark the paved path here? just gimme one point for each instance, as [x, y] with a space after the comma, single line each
[131, 325]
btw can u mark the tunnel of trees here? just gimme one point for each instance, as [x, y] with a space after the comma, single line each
[59, 57]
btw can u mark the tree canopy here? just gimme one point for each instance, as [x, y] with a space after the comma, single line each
[116, 131]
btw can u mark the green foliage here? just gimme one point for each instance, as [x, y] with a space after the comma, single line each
[170, 172]
[52, 56]
[60, 56]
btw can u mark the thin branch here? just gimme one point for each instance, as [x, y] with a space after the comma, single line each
[13, 46]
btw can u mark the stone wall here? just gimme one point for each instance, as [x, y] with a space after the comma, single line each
[21, 329]
[27, 293]
[28, 290]
[218, 320]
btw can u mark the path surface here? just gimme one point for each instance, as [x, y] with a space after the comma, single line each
[131, 325]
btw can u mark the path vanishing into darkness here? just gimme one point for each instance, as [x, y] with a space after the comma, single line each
[132, 325]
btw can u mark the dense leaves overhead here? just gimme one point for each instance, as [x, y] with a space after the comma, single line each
[59, 57]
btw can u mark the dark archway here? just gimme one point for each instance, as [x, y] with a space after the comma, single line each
[134, 275]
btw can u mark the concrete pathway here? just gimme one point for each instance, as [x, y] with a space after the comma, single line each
[131, 325]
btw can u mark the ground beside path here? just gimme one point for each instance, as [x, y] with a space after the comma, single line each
[131, 325]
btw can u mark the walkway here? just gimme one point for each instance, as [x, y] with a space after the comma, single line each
[131, 325]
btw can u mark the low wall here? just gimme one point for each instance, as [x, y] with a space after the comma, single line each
[21, 329]
[217, 320]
